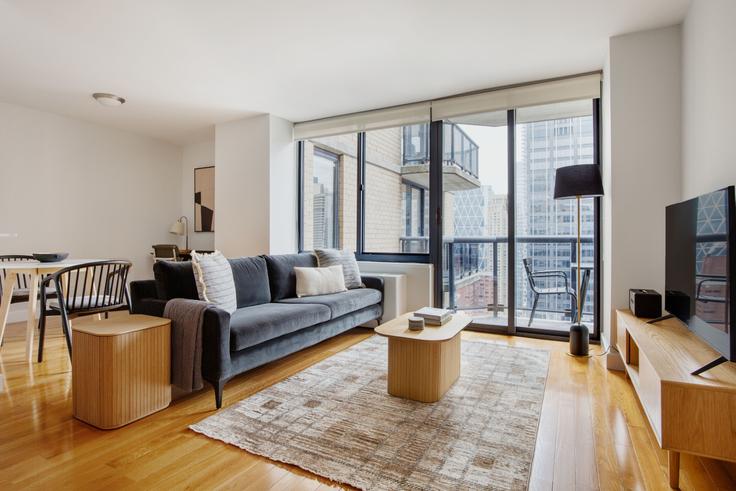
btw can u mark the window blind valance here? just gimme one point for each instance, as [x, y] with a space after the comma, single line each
[364, 121]
[533, 94]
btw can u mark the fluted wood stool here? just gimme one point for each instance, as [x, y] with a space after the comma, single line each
[121, 369]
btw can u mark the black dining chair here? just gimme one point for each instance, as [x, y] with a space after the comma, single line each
[98, 287]
[22, 282]
[559, 289]
[21, 291]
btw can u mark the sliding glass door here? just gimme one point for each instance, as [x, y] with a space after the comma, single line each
[475, 210]
[547, 138]
[509, 248]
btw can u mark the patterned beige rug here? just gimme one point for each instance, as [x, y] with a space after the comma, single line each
[336, 420]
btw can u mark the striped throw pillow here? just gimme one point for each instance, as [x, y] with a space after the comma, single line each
[346, 259]
[214, 278]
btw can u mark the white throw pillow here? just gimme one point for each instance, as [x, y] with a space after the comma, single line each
[319, 281]
[214, 278]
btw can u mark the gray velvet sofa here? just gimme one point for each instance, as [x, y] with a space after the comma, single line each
[270, 322]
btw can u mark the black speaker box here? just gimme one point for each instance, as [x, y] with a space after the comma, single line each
[645, 303]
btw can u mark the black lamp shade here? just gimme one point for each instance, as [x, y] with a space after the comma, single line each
[578, 180]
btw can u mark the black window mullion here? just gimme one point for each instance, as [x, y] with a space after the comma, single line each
[359, 215]
[597, 270]
[511, 218]
[300, 194]
[336, 203]
[435, 208]
[421, 211]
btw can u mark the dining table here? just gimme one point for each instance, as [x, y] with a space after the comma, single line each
[35, 270]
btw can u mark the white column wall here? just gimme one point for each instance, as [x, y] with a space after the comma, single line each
[641, 162]
[708, 97]
[255, 187]
[242, 187]
[283, 186]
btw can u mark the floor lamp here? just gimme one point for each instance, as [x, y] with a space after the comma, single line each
[578, 181]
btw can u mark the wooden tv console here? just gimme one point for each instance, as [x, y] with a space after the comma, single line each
[691, 414]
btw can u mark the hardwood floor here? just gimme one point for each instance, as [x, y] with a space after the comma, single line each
[592, 435]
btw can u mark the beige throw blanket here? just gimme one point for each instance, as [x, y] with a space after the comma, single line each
[186, 342]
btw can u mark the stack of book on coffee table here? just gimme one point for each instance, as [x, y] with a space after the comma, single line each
[434, 317]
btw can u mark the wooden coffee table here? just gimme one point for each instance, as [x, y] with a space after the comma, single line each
[423, 365]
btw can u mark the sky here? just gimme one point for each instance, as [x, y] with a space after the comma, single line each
[492, 155]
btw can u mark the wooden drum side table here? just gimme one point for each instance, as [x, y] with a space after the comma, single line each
[121, 369]
[423, 365]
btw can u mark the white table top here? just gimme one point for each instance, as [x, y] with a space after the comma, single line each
[36, 265]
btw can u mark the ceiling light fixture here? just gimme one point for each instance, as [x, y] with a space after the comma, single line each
[108, 99]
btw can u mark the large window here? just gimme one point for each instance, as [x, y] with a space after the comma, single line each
[329, 195]
[324, 199]
[396, 190]
[472, 195]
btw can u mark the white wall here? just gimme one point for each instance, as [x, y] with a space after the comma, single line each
[606, 205]
[196, 154]
[80, 188]
[283, 184]
[95, 192]
[641, 163]
[708, 97]
[242, 186]
[255, 187]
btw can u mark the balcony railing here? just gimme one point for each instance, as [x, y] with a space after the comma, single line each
[464, 259]
[414, 245]
[459, 149]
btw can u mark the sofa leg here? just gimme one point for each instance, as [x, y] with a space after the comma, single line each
[218, 386]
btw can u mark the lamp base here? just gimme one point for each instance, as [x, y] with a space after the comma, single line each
[579, 336]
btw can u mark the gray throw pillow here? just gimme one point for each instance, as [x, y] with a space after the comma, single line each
[346, 259]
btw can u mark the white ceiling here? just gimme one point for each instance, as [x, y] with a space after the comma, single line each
[184, 65]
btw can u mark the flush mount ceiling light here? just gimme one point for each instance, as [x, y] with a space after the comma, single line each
[108, 99]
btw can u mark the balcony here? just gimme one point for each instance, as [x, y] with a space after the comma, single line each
[475, 278]
[460, 158]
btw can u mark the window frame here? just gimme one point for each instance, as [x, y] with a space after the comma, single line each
[360, 253]
[336, 160]
[433, 227]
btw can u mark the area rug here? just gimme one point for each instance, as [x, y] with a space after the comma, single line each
[336, 419]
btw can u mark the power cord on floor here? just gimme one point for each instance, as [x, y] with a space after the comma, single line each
[603, 353]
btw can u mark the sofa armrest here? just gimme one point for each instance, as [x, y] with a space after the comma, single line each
[143, 298]
[375, 282]
[216, 345]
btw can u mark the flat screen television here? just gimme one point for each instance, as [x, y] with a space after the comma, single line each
[700, 266]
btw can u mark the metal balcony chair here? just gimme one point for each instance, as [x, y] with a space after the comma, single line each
[93, 288]
[166, 252]
[533, 276]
